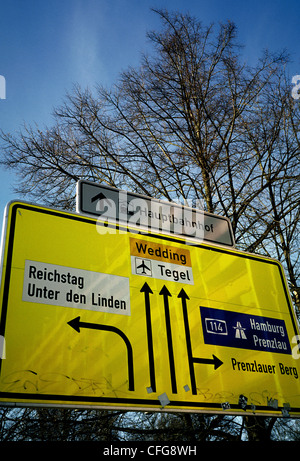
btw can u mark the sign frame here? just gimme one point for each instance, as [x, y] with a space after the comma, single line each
[211, 224]
[161, 404]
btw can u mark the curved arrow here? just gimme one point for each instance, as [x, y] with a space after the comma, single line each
[77, 324]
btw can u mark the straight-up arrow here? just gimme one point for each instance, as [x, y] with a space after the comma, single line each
[99, 196]
[77, 324]
[165, 293]
[182, 294]
[147, 291]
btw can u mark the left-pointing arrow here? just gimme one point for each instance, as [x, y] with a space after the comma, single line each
[77, 324]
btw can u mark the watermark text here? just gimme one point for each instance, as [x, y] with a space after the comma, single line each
[2, 87]
[140, 214]
[296, 88]
[2, 347]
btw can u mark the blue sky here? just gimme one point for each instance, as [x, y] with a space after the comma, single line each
[47, 46]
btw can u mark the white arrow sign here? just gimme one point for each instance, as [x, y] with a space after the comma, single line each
[139, 211]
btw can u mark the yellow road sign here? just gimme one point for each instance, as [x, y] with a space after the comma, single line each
[97, 315]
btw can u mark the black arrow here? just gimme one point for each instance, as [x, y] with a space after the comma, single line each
[165, 293]
[214, 361]
[77, 324]
[182, 294]
[99, 196]
[192, 360]
[147, 290]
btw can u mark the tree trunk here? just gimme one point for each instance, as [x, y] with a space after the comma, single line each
[258, 428]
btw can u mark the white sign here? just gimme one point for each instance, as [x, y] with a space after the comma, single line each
[163, 271]
[69, 287]
[138, 211]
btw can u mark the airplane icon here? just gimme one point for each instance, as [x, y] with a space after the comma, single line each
[143, 266]
[143, 269]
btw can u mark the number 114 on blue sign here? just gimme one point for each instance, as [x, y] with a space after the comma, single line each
[216, 326]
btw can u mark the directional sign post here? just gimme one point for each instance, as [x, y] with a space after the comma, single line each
[136, 210]
[103, 316]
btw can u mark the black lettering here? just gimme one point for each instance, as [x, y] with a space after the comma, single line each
[123, 304]
[31, 289]
[44, 293]
[32, 271]
[183, 259]
[288, 370]
[141, 247]
[166, 253]
[111, 302]
[253, 367]
[176, 256]
[39, 275]
[75, 298]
